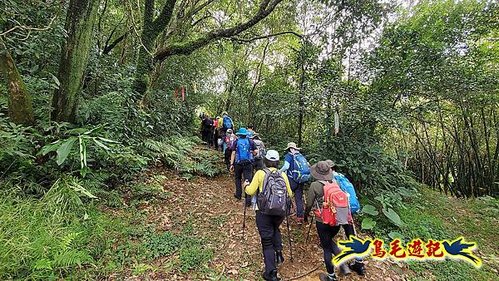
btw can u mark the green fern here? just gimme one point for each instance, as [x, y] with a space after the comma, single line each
[70, 258]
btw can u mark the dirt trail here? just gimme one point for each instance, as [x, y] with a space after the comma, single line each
[209, 205]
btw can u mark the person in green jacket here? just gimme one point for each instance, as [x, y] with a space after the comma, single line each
[315, 198]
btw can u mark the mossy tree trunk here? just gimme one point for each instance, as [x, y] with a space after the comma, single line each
[151, 29]
[80, 20]
[20, 102]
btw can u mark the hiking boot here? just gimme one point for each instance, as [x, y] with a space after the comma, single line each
[272, 276]
[279, 258]
[328, 277]
[358, 267]
[345, 270]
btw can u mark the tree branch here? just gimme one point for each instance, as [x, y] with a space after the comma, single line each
[24, 27]
[164, 17]
[116, 41]
[266, 7]
[148, 12]
[112, 33]
[244, 40]
[197, 9]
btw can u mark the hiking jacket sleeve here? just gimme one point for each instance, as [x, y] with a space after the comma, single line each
[286, 165]
[288, 186]
[256, 183]
[315, 194]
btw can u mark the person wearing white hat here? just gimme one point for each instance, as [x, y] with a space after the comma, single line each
[268, 225]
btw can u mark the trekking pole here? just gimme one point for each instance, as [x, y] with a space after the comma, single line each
[289, 237]
[244, 212]
[309, 228]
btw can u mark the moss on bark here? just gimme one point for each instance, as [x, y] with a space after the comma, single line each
[80, 20]
[20, 102]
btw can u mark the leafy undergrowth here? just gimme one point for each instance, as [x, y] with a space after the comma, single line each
[55, 236]
[195, 233]
[434, 215]
[165, 226]
[186, 156]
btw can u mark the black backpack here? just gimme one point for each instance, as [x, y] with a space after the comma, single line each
[273, 199]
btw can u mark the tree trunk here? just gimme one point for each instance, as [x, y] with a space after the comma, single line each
[251, 98]
[20, 102]
[80, 20]
[151, 29]
[301, 102]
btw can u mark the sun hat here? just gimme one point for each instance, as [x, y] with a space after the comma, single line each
[272, 155]
[242, 132]
[292, 145]
[321, 171]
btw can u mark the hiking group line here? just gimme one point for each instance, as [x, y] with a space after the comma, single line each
[269, 190]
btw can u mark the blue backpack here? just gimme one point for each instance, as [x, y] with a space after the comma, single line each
[243, 150]
[301, 171]
[227, 123]
[347, 187]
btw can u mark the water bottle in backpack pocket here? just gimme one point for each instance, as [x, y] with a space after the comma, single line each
[301, 170]
[273, 200]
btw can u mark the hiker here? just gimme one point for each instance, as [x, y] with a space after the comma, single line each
[260, 147]
[226, 123]
[251, 131]
[241, 161]
[206, 125]
[298, 171]
[274, 193]
[215, 132]
[330, 217]
[229, 140]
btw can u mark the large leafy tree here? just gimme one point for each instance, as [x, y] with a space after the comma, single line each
[437, 71]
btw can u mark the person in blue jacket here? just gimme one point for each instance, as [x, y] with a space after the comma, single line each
[296, 187]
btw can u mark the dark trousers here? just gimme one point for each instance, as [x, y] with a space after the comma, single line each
[297, 189]
[215, 139]
[227, 155]
[206, 135]
[243, 170]
[270, 236]
[326, 234]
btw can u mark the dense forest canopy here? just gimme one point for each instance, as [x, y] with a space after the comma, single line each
[96, 92]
